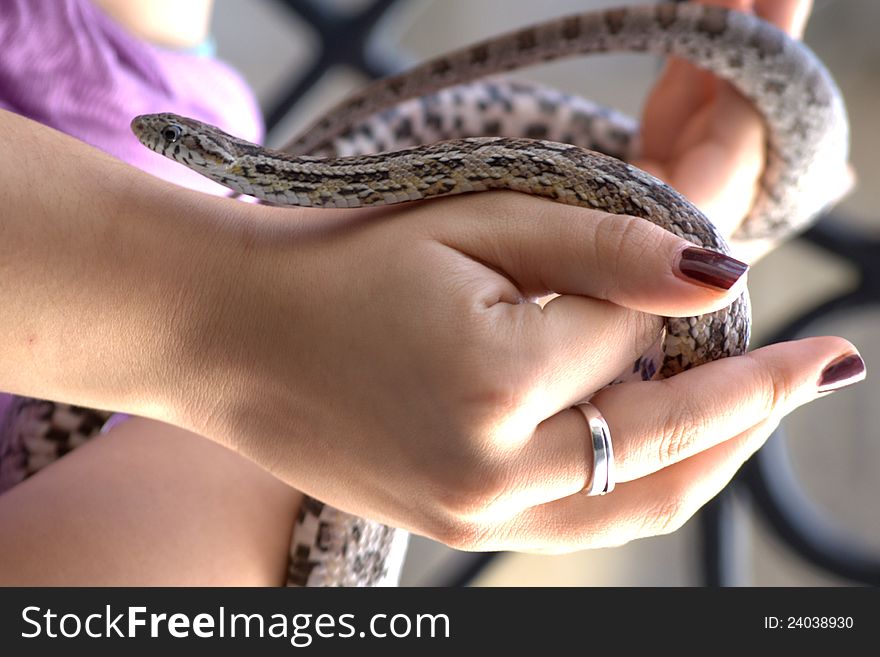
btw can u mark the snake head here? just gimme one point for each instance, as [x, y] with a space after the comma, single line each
[200, 146]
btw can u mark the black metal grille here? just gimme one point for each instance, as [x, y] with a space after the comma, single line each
[346, 39]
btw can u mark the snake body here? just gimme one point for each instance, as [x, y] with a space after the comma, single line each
[807, 127]
[446, 127]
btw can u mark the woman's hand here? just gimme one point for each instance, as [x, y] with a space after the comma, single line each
[394, 364]
[390, 362]
[707, 141]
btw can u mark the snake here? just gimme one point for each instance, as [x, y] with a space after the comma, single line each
[455, 124]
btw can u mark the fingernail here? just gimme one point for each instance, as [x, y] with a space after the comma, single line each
[842, 372]
[709, 268]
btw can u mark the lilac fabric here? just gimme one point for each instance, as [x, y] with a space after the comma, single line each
[68, 65]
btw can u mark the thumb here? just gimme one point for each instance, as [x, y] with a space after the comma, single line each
[546, 247]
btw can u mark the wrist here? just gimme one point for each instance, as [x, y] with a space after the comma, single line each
[201, 266]
[109, 275]
[231, 291]
[250, 358]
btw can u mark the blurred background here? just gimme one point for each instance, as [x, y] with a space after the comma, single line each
[805, 511]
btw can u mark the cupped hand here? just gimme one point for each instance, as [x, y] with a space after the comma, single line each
[395, 364]
[707, 141]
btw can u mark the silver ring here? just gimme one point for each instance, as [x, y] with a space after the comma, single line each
[603, 455]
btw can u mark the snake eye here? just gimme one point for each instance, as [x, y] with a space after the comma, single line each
[171, 133]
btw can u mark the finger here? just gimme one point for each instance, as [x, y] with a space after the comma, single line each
[678, 94]
[655, 424]
[790, 15]
[579, 344]
[673, 423]
[683, 90]
[542, 246]
[649, 506]
[719, 159]
[658, 503]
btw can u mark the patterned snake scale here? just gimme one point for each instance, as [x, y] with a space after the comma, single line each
[496, 133]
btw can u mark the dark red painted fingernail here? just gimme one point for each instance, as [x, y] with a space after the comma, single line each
[709, 268]
[842, 372]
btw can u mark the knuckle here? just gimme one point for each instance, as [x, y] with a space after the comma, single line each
[496, 204]
[681, 432]
[667, 515]
[466, 536]
[489, 360]
[773, 389]
[471, 490]
[620, 242]
[487, 390]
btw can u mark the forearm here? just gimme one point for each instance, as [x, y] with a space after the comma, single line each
[102, 272]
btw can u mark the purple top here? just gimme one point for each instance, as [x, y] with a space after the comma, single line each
[67, 64]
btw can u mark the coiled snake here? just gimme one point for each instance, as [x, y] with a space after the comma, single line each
[499, 133]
